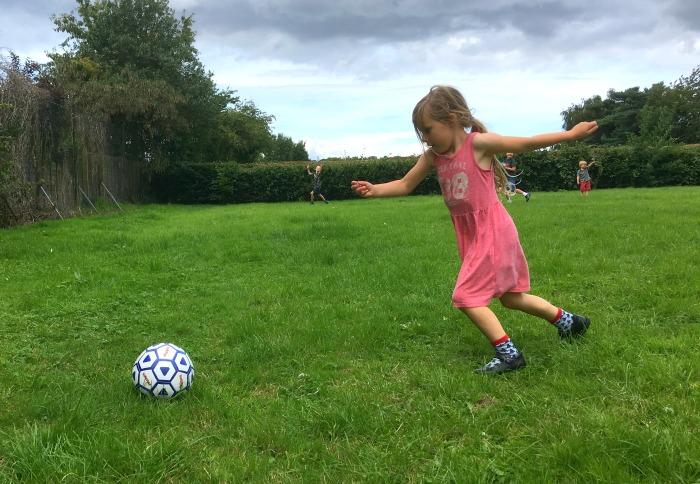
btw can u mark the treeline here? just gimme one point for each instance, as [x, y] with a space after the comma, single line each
[134, 63]
[128, 94]
[660, 115]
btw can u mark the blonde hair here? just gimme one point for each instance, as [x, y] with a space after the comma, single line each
[445, 104]
[581, 163]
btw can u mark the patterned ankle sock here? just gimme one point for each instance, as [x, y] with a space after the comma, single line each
[563, 320]
[505, 348]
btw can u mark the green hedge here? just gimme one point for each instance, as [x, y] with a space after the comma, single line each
[617, 167]
[229, 182]
[274, 181]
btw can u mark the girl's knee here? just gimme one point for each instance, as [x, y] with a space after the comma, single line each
[511, 300]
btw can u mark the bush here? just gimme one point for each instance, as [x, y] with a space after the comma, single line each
[230, 182]
[186, 183]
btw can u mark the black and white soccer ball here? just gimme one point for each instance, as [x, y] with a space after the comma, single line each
[163, 371]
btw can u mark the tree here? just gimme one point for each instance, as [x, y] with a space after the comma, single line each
[300, 152]
[283, 148]
[659, 114]
[657, 117]
[591, 108]
[7, 134]
[20, 104]
[617, 115]
[243, 134]
[134, 62]
[687, 125]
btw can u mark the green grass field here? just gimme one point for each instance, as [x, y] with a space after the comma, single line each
[326, 348]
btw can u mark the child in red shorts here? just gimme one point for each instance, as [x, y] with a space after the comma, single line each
[583, 178]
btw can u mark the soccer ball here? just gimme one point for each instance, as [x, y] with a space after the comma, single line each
[163, 371]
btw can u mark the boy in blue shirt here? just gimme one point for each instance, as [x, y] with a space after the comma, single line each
[511, 167]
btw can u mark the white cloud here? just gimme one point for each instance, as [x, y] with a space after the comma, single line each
[346, 75]
[184, 4]
[688, 46]
[368, 144]
[458, 42]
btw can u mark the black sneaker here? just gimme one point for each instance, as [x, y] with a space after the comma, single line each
[579, 326]
[500, 365]
[527, 197]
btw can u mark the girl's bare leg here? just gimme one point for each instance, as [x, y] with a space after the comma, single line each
[530, 304]
[508, 357]
[486, 321]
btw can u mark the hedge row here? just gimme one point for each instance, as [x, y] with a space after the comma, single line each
[616, 167]
[620, 166]
[274, 182]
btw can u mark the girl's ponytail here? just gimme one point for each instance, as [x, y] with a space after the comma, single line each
[478, 126]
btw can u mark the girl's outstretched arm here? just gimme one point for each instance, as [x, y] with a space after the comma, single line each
[396, 188]
[489, 144]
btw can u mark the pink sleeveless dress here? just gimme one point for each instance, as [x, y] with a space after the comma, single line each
[493, 262]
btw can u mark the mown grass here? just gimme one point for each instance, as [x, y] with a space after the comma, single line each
[326, 348]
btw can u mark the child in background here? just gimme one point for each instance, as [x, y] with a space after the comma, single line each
[470, 176]
[583, 178]
[511, 167]
[317, 183]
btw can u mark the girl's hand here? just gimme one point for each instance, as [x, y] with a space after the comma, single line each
[583, 129]
[363, 188]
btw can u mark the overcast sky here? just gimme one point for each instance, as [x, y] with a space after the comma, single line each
[344, 75]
